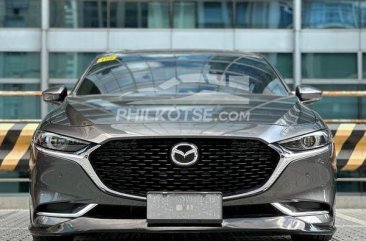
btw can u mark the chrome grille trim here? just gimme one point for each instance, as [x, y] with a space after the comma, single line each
[80, 213]
[285, 159]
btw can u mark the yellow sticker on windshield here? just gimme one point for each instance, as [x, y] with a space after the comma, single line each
[107, 58]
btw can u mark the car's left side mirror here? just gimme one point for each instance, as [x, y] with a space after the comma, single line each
[55, 95]
[308, 94]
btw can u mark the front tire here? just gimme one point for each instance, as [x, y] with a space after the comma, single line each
[53, 238]
[311, 237]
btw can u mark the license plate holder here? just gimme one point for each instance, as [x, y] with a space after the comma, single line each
[184, 208]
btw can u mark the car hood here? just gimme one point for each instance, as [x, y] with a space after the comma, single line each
[97, 118]
[259, 109]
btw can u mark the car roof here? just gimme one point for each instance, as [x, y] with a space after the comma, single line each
[122, 53]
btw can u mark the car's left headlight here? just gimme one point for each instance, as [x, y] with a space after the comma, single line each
[58, 142]
[308, 141]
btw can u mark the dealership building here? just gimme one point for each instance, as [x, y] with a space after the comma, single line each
[45, 43]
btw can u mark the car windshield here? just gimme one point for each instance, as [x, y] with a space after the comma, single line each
[180, 74]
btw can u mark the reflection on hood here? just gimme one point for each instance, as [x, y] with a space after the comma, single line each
[246, 109]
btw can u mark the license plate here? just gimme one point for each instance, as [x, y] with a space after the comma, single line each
[183, 207]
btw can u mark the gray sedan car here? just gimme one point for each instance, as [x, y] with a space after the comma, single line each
[182, 141]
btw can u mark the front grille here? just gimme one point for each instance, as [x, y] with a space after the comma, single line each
[229, 166]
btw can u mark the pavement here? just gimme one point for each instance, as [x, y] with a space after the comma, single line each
[351, 226]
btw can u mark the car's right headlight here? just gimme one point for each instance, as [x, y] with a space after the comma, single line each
[58, 142]
[307, 142]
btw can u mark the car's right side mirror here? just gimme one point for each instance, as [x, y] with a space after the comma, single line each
[308, 94]
[55, 95]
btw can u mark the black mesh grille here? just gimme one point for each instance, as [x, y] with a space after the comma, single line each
[139, 212]
[141, 165]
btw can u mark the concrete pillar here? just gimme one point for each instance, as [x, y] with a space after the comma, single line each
[297, 44]
[360, 64]
[44, 53]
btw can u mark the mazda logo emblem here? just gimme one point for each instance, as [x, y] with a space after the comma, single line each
[184, 154]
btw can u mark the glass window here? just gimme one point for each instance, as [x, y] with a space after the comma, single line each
[78, 14]
[363, 13]
[328, 66]
[359, 187]
[330, 13]
[139, 15]
[9, 187]
[20, 13]
[283, 62]
[181, 74]
[264, 14]
[364, 66]
[19, 107]
[341, 107]
[203, 14]
[19, 65]
[69, 65]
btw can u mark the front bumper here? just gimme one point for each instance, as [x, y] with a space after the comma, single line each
[56, 180]
[281, 225]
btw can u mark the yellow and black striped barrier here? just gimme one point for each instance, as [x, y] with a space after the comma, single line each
[350, 145]
[15, 139]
